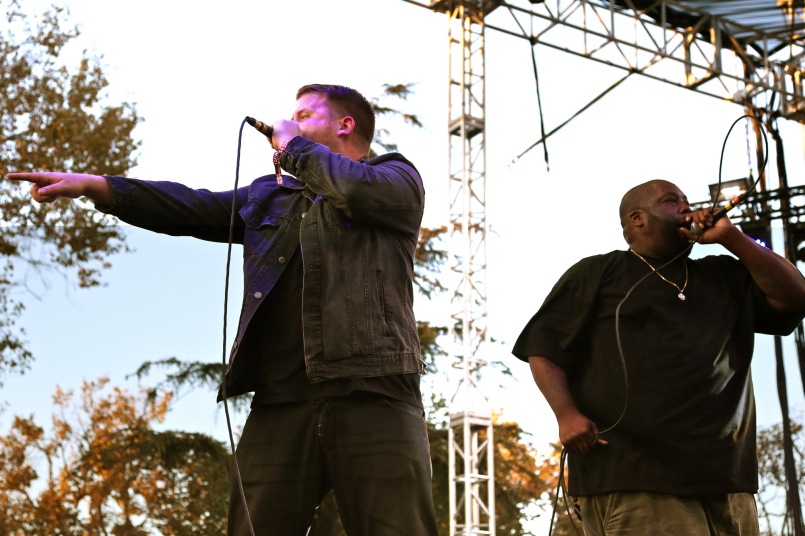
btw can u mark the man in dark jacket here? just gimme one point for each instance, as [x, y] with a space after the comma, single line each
[327, 338]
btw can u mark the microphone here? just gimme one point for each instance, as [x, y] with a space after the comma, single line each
[720, 212]
[263, 128]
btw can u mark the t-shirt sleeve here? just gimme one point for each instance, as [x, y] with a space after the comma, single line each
[557, 330]
[766, 320]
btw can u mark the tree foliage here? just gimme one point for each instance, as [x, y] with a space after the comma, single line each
[401, 92]
[105, 470]
[773, 481]
[53, 116]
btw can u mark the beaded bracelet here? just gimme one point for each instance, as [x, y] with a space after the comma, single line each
[277, 168]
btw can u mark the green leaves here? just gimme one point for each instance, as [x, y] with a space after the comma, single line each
[53, 117]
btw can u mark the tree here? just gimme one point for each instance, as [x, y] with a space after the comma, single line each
[107, 471]
[382, 134]
[774, 481]
[52, 117]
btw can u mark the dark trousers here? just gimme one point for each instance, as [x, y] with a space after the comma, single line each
[373, 452]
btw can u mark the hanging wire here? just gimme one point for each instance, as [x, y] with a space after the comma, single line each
[223, 351]
[572, 117]
[748, 151]
[539, 104]
[761, 165]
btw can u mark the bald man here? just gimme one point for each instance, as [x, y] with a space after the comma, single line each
[644, 357]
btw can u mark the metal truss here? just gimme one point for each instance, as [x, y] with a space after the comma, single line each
[673, 42]
[470, 436]
[723, 49]
[784, 204]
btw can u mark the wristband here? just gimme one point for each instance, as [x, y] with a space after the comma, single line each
[277, 168]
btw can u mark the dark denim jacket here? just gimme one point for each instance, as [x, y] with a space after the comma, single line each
[357, 224]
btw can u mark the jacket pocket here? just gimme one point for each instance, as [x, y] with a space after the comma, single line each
[260, 225]
[380, 289]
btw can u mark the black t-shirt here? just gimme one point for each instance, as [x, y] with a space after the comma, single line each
[684, 377]
[281, 375]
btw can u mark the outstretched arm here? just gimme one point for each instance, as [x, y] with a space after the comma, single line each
[577, 433]
[47, 186]
[160, 206]
[777, 278]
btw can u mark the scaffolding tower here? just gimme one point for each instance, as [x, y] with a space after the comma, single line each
[470, 433]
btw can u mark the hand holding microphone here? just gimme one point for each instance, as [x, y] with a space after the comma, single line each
[697, 230]
[284, 130]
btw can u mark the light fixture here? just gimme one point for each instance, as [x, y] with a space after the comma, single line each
[729, 189]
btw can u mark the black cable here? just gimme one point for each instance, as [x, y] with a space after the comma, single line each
[568, 120]
[561, 485]
[539, 105]
[761, 167]
[223, 358]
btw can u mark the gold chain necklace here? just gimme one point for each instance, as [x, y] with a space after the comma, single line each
[681, 290]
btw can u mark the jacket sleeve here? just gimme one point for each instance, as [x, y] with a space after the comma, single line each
[175, 209]
[386, 191]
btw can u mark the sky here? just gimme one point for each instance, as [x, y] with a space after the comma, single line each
[194, 70]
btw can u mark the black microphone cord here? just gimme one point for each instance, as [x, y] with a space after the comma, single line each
[223, 353]
[731, 203]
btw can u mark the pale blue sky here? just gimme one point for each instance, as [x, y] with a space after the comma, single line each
[195, 69]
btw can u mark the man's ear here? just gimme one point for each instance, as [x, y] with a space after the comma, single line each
[346, 125]
[636, 217]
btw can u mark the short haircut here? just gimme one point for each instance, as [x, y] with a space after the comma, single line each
[636, 198]
[348, 102]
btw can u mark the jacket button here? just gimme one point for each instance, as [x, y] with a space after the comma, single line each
[258, 295]
[304, 214]
[282, 260]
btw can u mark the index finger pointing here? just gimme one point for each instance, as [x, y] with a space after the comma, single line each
[40, 178]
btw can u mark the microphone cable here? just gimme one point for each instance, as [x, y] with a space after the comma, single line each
[223, 353]
[728, 206]
[267, 131]
[563, 456]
